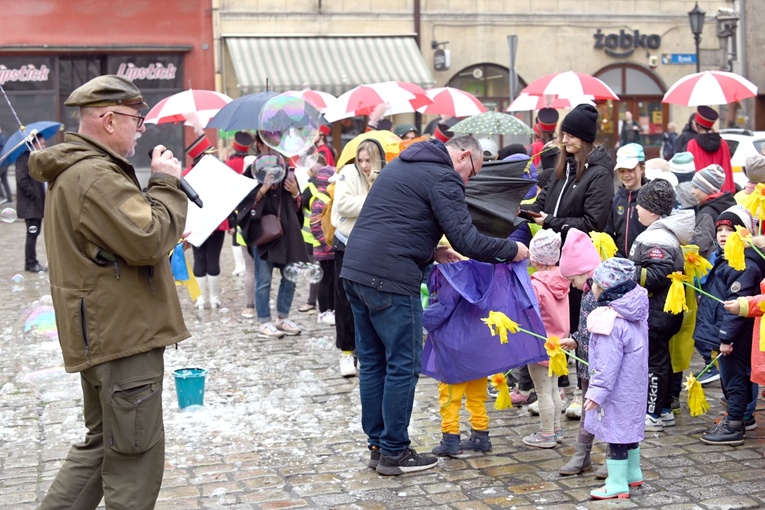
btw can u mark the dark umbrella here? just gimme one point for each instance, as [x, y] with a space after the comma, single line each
[243, 113]
[493, 196]
[15, 145]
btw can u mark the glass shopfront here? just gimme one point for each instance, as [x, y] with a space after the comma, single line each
[640, 93]
[38, 86]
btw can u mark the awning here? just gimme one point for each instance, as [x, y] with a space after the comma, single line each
[331, 64]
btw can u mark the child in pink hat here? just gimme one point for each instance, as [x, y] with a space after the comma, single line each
[578, 260]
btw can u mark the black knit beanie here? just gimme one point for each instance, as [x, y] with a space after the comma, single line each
[657, 196]
[582, 122]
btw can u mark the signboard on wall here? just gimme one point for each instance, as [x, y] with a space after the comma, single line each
[678, 58]
[26, 73]
[149, 71]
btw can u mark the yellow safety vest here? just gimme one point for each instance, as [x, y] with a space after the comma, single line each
[308, 237]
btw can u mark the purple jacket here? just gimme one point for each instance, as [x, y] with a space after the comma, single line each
[619, 369]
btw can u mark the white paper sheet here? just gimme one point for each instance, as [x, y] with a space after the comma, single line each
[221, 189]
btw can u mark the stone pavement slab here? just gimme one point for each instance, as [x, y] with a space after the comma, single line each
[280, 429]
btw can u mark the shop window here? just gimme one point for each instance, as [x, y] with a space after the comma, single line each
[640, 93]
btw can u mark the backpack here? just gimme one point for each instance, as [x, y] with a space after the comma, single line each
[326, 215]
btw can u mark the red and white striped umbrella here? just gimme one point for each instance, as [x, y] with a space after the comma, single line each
[452, 102]
[570, 84]
[708, 88]
[189, 107]
[321, 100]
[401, 97]
[527, 102]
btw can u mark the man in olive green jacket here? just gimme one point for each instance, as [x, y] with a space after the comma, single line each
[113, 293]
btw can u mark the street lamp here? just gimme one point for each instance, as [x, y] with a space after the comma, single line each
[696, 17]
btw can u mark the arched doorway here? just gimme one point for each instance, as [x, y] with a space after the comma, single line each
[640, 92]
[490, 83]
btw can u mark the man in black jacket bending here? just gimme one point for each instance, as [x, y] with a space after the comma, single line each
[418, 197]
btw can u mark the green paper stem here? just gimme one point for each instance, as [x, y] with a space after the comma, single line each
[707, 294]
[708, 366]
[545, 339]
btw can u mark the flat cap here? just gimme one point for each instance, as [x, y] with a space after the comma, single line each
[107, 90]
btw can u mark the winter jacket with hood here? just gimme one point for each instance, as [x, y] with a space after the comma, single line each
[552, 289]
[417, 198]
[713, 324]
[108, 243]
[704, 234]
[582, 204]
[708, 149]
[619, 369]
[623, 224]
[657, 253]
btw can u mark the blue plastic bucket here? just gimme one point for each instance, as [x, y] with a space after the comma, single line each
[190, 386]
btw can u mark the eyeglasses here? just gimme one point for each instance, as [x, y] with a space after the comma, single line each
[139, 118]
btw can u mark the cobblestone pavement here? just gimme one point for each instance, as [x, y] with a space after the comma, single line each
[280, 428]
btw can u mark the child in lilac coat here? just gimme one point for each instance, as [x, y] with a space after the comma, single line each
[618, 365]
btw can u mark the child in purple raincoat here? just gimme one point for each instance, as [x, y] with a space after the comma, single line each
[614, 411]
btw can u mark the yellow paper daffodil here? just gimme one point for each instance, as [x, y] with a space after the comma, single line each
[696, 266]
[755, 201]
[734, 248]
[500, 324]
[675, 302]
[558, 360]
[697, 401]
[605, 245]
[503, 401]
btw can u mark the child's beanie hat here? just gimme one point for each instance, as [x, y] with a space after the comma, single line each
[545, 248]
[579, 255]
[733, 216]
[613, 271]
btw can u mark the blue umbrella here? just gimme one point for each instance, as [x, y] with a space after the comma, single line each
[243, 113]
[46, 128]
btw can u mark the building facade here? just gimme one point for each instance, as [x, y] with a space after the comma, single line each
[640, 48]
[49, 48]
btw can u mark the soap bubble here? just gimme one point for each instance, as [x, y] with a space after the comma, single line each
[8, 215]
[292, 272]
[315, 273]
[288, 124]
[307, 159]
[39, 320]
[224, 315]
[298, 271]
[18, 283]
[269, 169]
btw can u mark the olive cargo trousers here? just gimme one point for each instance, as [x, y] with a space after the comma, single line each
[123, 455]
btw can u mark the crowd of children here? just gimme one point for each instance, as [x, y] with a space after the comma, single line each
[625, 327]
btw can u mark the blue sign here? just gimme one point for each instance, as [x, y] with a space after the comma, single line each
[678, 58]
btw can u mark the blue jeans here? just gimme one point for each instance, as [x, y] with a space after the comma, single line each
[389, 347]
[263, 273]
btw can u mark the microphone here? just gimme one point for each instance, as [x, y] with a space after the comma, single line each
[185, 187]
[193, 195]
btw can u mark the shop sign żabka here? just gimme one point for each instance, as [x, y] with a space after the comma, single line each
[624, 44]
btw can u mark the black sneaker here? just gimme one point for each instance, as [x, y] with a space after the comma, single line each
[726, 432]
[749, 423]
[374, 457]
[407, 461]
